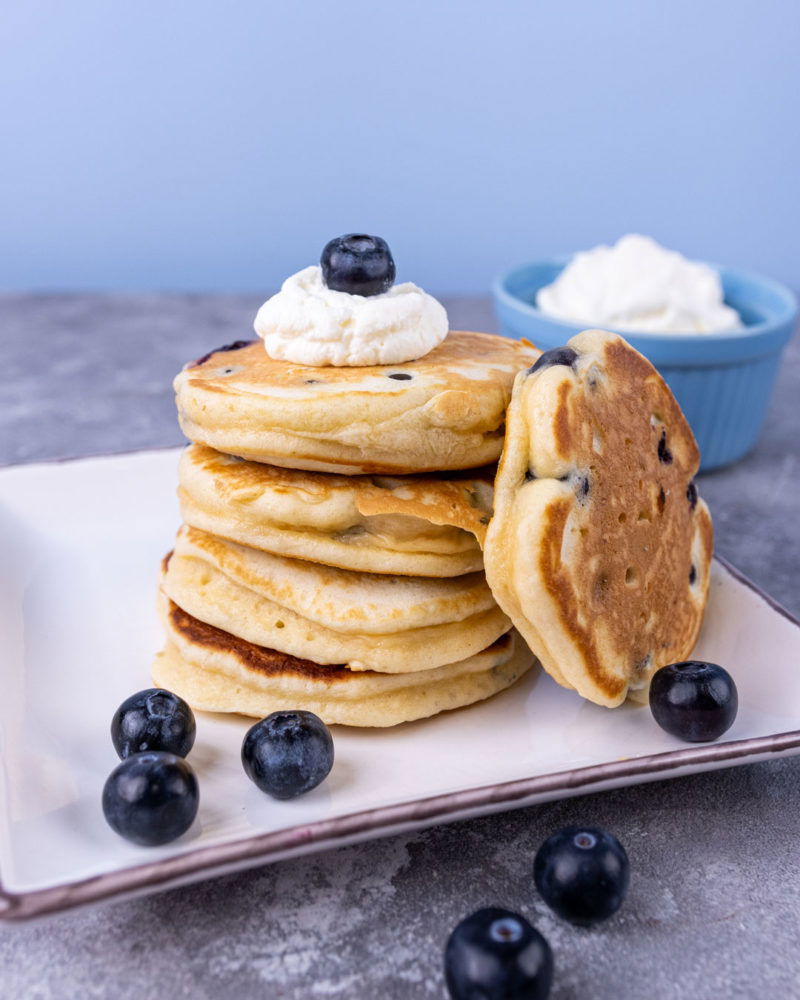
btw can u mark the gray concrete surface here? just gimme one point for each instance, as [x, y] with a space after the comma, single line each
[714, 904]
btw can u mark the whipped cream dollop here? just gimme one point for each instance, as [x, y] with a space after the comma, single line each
[311, 324]
[638, 285]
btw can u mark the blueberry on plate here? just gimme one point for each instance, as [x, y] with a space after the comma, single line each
[358, 264]
[693, 700]
[288, 753]
[153, 719]
[151, 798]
[582, 874]
[496, 955]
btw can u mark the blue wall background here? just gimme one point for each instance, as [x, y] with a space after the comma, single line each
[199, 145]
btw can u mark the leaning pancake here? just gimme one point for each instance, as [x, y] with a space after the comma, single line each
[392, 624]
[414, 526]
[599, 549]
[216, 672]
[441, 412]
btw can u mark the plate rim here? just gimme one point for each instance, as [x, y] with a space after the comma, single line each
[217, 859]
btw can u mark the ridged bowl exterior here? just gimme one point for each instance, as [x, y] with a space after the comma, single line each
[722, 381]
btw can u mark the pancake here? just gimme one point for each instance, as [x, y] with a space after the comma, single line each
[414, 526]
[442, 412]
[216, 672]
[391, 624]
[599, 549]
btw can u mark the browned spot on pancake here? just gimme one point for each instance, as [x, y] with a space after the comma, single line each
[165, 561]
[259, 658]
[560, 583]
[562, 423]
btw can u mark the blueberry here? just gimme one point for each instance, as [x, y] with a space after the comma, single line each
[288, 753]
[358, 264]
[664, 454]
[580, 483]
[496, 955]
[151, 798]
[555, 356]
[153, 719]
[582, 874]
[694, 701]
[237, 345]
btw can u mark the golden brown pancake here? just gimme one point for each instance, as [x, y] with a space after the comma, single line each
[442, 412]
[600, 548]
[214, 671]
[412, 526]
[367, 621]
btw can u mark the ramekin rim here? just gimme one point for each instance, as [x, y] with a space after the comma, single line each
[789, 298]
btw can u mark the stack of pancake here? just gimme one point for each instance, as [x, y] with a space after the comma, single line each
[331, 555]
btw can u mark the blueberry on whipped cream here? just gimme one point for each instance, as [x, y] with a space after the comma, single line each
[358, 264]
[347, 311]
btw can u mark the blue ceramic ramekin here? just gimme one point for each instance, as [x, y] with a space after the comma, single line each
[723, 381]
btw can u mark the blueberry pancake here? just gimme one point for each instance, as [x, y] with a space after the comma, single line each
[599, 549]
[441, 412]
[411, 526]
[217, 672]
[367, 621]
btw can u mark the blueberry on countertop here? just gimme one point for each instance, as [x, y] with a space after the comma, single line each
[694, 701]
[358, 264]
[153, 719]
[582, 874]
[495, 954]
[151, 798]
[288, 753]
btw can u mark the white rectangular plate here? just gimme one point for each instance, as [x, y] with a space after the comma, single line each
[80, 545]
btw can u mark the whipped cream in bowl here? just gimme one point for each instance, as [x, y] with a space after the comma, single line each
[639, 286]
[310, 324]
